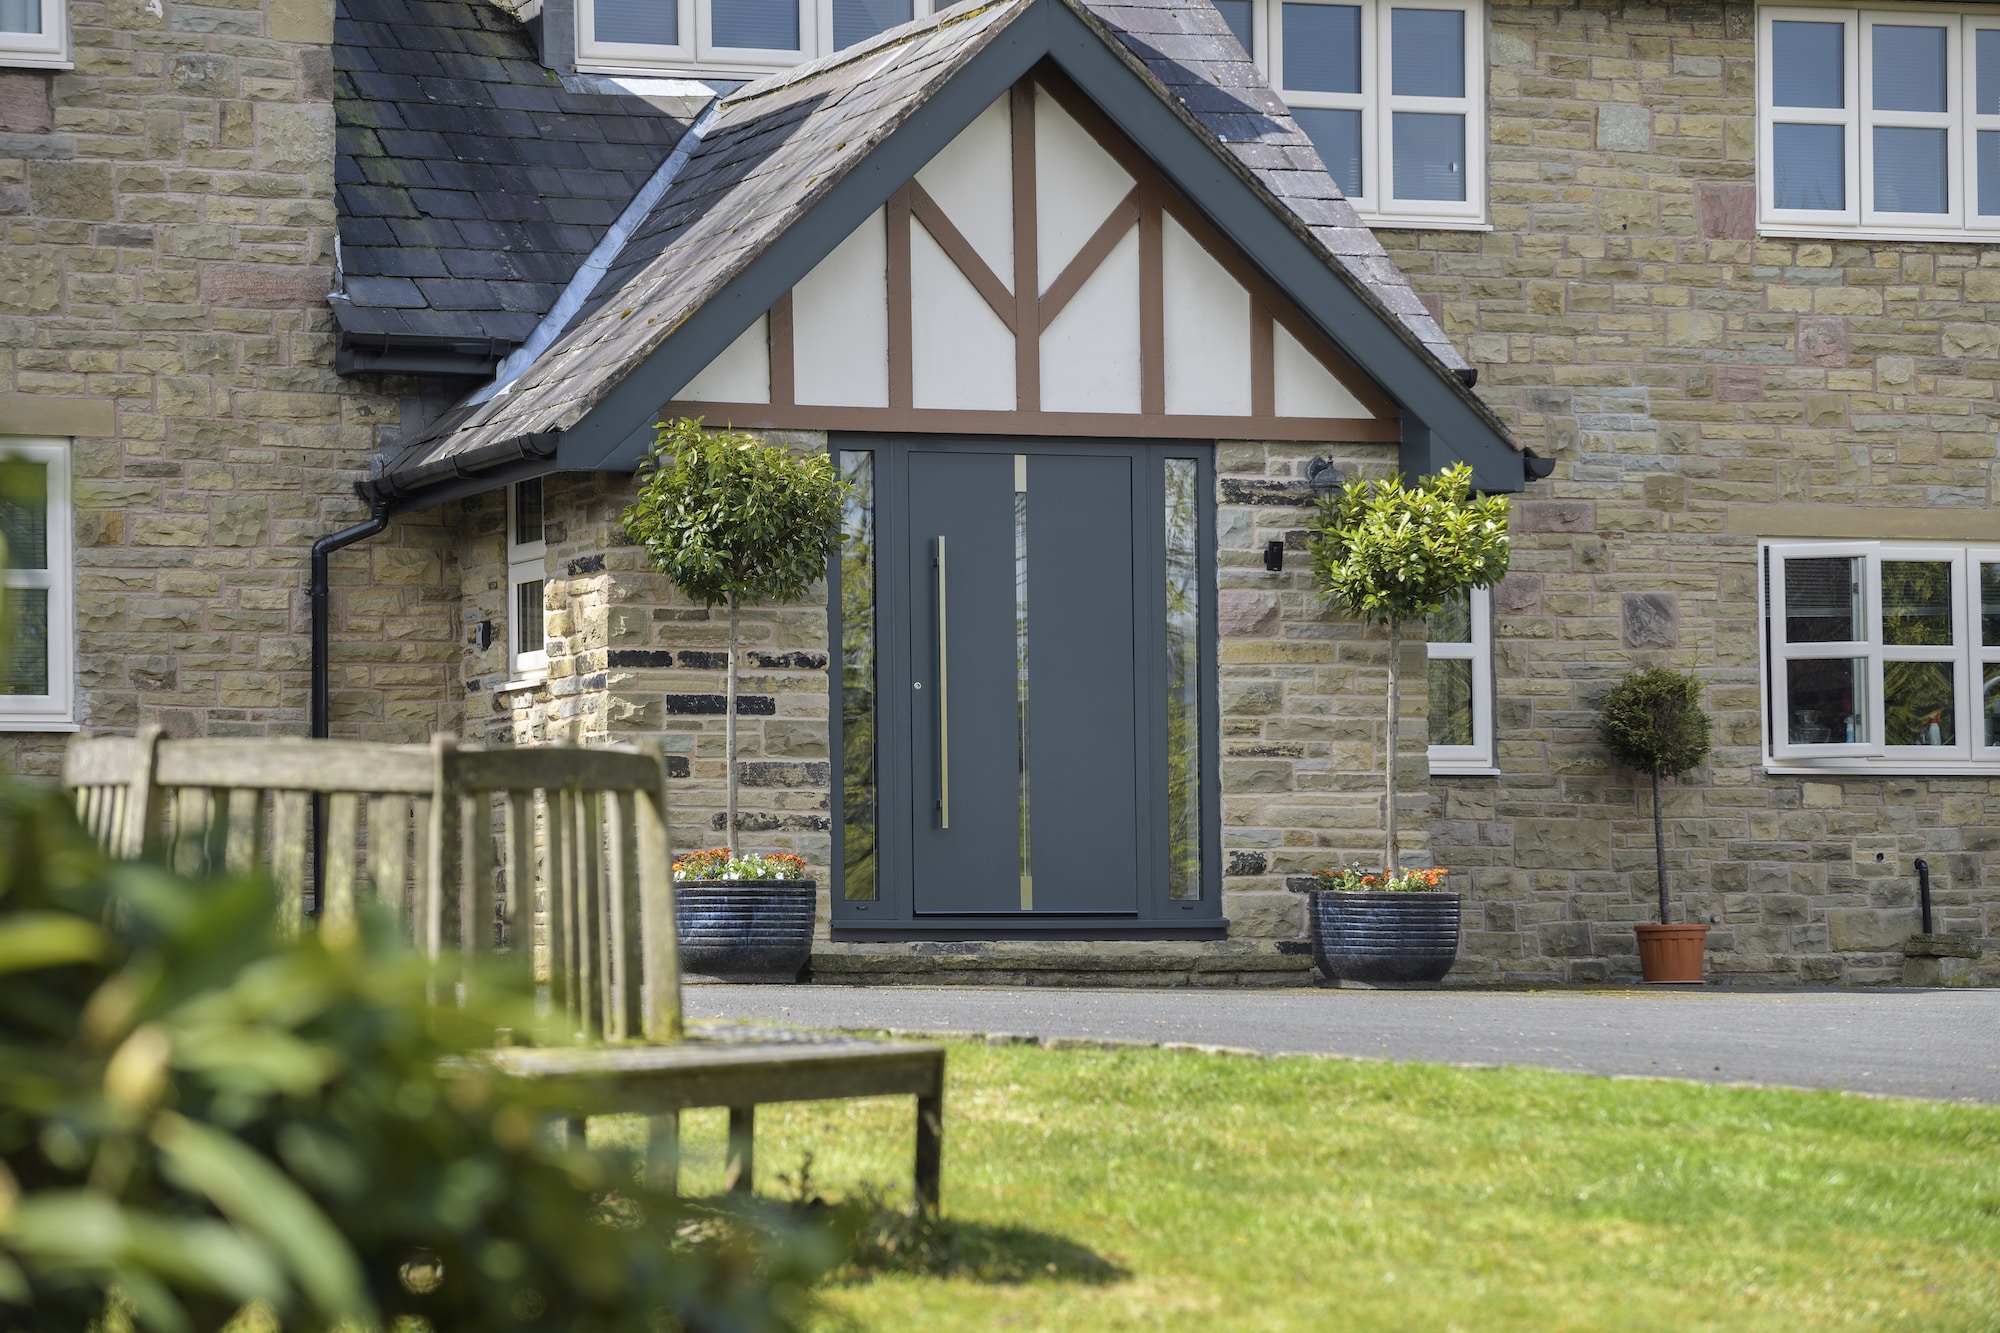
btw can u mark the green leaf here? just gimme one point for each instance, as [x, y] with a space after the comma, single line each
[48, 939]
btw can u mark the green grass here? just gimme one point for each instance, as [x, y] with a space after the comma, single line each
[1150, 1189]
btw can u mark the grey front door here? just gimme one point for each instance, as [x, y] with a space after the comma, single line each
[1026, 730]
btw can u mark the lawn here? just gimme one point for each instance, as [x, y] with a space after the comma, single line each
[1152, 1189]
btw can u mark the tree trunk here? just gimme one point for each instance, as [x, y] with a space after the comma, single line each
[729, 735]
[1394, 742]
[1660, 848]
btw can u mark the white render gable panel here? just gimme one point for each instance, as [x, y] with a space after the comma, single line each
[1111, 308]
[840, 323]
[962, 355]
[741, 374]
[1207, 328]
[972, 181]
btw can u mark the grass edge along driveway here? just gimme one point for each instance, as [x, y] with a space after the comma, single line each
[1172, 1189]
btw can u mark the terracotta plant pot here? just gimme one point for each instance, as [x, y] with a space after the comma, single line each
[1672, 955]
[745, 930]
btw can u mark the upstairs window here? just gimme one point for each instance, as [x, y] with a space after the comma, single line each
[38, 585]
[1879, 123]
[1881, 655]
[1392, 94]
[527, 647]
[711, 37]
[34, 33]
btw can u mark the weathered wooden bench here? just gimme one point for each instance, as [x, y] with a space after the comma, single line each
[463, 844]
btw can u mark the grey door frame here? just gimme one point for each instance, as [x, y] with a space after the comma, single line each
[891, 914]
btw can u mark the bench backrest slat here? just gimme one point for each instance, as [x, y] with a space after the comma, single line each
[445, 838]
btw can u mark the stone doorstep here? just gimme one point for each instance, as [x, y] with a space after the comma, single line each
[1942, 946]
[1135, 963]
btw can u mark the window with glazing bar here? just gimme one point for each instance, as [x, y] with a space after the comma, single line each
[1460, 647]
[34, 34]
[703, 37]
[527, 648]
[37, 587]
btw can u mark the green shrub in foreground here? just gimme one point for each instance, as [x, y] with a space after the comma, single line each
[197, 1114]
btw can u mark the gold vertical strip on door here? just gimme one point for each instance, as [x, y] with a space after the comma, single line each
[944, 698]
[1021, 664]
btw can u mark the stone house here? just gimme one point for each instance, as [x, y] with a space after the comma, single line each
[414, 281]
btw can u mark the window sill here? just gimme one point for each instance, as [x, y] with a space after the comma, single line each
[51, 726]
[733, 72]
[1439, 770]
[1380, 222]
[524, 683]
[1901, 768]
[1791, 231]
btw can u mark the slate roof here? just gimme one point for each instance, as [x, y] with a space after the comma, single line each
[778, 145]
[470, 183]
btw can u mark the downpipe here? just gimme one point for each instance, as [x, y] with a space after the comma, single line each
[321, 703]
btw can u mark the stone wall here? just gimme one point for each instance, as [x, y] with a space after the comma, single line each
[1697, 385]
[166, 246]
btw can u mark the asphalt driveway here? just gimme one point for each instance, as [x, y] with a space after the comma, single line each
[1936, 1044]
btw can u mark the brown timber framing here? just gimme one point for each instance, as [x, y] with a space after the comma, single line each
[1027, 310]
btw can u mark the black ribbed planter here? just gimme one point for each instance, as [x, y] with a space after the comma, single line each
[1384, 937]
[745, 930]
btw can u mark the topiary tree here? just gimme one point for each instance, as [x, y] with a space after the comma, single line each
[731, 519]
[1653, 722]
[1386, 552]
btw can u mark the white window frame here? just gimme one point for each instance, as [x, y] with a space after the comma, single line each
[1870, 753]
[47, 49]
[56, 710]
[1860, 219]
[697, 55]
[1477, 758]
[526, 563]
[1378, 104]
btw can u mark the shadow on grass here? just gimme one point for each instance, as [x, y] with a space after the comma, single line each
[886, 1239]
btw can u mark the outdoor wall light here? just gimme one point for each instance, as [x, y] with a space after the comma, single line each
[1274, 556]
[1324, 477]
[482, 635]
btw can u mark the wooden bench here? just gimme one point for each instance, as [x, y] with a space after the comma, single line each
[463, 844]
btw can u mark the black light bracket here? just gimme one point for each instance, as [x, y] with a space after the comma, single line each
[1274, 556]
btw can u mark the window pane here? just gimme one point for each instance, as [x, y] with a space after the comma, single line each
[1917, 703]
[858, 20]
[1322, 48]
[1909, 68]
[1430, 155]
[24, 514]
[528, 617]
[1828, 701]
[20, 15]
[1236, 13]
[1337, 135]
[857, 678]
[1811, 166]
[759, 25]
[1989, 172]
[1823, 600]
[1183, 681]
[1992, 691]
[1452, 622]
[24, 669]
[1427, 53]
[1916, 602]
[527, 511]
[1451, 701]
[1807, 64]
[1987, 46]
[640, 22]
[1910, 170]
[1989, 605]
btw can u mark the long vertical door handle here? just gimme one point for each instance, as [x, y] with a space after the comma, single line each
[943, 698]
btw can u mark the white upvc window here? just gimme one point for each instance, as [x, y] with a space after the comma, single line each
[1881, 655]
[1878, 123]
[38, 651]
[1393, 94]
[35, 34]
[1460, 648]
[711, 37]
[527, 647]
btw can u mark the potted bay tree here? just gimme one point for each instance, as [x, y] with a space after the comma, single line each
[1653, 721]
[1390, 553]
[733, 521]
